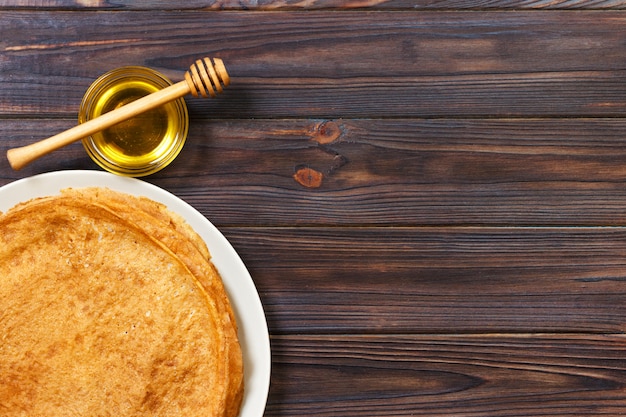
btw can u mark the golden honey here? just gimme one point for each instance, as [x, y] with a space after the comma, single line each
[143, 144]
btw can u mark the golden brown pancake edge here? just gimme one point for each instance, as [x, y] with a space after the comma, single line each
[48, 244]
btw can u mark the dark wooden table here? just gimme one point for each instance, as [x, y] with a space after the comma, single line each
[429, 195]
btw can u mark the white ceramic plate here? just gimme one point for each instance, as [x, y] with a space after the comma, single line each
[253, 332]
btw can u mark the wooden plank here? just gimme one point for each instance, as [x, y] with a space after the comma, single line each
[313, 4]
[382, 172]
[491, 375]
[391, 64]
[437, 280]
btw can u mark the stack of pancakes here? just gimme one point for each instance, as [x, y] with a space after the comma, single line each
[110, 306]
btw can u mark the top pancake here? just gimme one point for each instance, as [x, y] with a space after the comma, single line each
[109, 305]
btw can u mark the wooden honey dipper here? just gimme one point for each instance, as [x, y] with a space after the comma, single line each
[205, 78]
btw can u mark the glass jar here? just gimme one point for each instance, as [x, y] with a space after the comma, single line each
[143, 144]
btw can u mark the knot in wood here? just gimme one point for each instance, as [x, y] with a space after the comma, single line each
[308, 177]
[326, 132]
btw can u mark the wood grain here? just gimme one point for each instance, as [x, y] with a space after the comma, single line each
[503, 375]
[464, 172]
[443, 64]
[431, 280]
[317, 4]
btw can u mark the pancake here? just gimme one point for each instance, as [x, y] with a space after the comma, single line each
[110, 306]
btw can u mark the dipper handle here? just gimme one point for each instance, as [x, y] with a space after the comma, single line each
[204, 78]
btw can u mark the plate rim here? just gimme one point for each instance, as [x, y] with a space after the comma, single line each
[251, 320]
